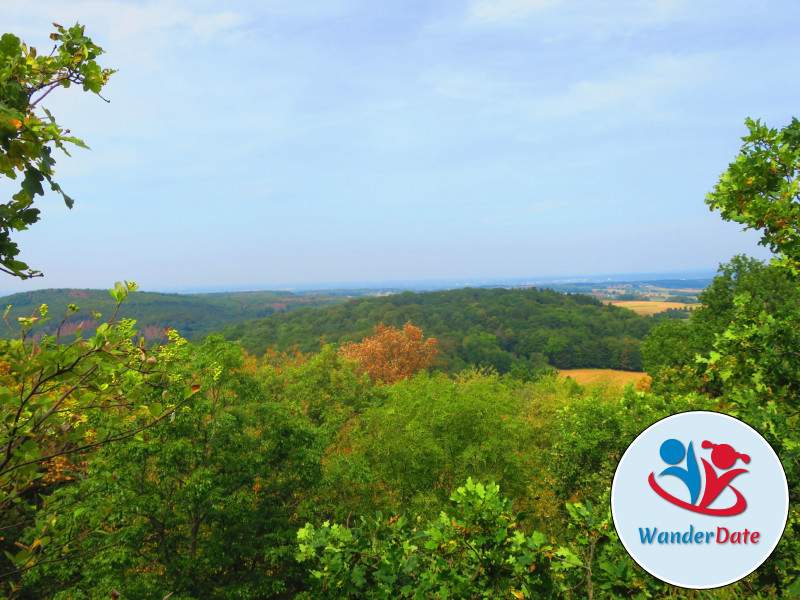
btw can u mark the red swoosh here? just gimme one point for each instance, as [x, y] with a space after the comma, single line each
[737, 508]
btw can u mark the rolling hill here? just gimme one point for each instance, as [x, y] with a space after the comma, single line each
[194, 316]
[496, 327]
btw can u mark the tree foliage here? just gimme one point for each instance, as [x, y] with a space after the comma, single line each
[201, 507]
[743, 284]
[761, 190]
[63, 401]
[196, 316]
[748, 336]
[426, 435]
[390, 355]
[27, 137]
[475, 550]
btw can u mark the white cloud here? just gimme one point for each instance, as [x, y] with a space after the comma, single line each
[641, 89]
[120, 20]
[208, 26]
[583, 18]
[494, 10]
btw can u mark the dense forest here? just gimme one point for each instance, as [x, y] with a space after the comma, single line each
[171, 470]
[497, 328]
[194, 315]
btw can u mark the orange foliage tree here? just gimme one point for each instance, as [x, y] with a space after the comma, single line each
[390, 354]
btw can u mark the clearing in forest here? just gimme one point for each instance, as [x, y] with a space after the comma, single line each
[604, 376]
[649, 308]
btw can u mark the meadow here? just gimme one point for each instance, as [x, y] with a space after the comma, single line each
[612, 377]
[644, 307]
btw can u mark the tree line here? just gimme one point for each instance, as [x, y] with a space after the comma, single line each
[194, 315]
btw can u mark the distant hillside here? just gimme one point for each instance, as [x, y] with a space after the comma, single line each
[194, 316]
[494, 327]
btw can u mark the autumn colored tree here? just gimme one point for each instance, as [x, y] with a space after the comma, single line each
[390, 354]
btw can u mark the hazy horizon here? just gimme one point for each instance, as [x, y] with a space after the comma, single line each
[412, 284]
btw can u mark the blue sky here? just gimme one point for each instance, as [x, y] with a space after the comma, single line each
[263, 144]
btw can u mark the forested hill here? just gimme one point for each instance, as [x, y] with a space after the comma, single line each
[194, 316]
[492, 327]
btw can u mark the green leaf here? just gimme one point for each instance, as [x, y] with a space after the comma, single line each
[10, 45]
[32, 184]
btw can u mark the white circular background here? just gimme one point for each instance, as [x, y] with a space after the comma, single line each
[635, 505]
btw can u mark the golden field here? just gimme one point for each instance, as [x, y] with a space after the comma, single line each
[648, 308]
[605, 376]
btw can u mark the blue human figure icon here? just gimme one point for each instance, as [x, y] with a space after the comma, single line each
[672, 452]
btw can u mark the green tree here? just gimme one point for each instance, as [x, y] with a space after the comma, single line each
[409, 451]
[742, 286]
[474, 550]
[60, 403]
[757, 353]
[477, 548]
[202, 506]
[27, 137]
[760, 189]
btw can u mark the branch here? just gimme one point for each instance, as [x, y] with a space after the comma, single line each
[122, 436]
[63, 397]
[53, 85]
[14, 441]
[52, 560]
[21, 275]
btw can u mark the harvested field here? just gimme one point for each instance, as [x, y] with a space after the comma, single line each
[604, 376]
[648, 308]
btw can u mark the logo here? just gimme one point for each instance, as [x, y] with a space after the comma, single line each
[723, 456]
[699, 500]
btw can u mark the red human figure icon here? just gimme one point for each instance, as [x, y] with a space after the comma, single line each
[724, 457]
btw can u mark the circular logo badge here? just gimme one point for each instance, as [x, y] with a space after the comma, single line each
[699, 500]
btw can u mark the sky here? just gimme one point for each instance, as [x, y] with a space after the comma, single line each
[249, 145]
